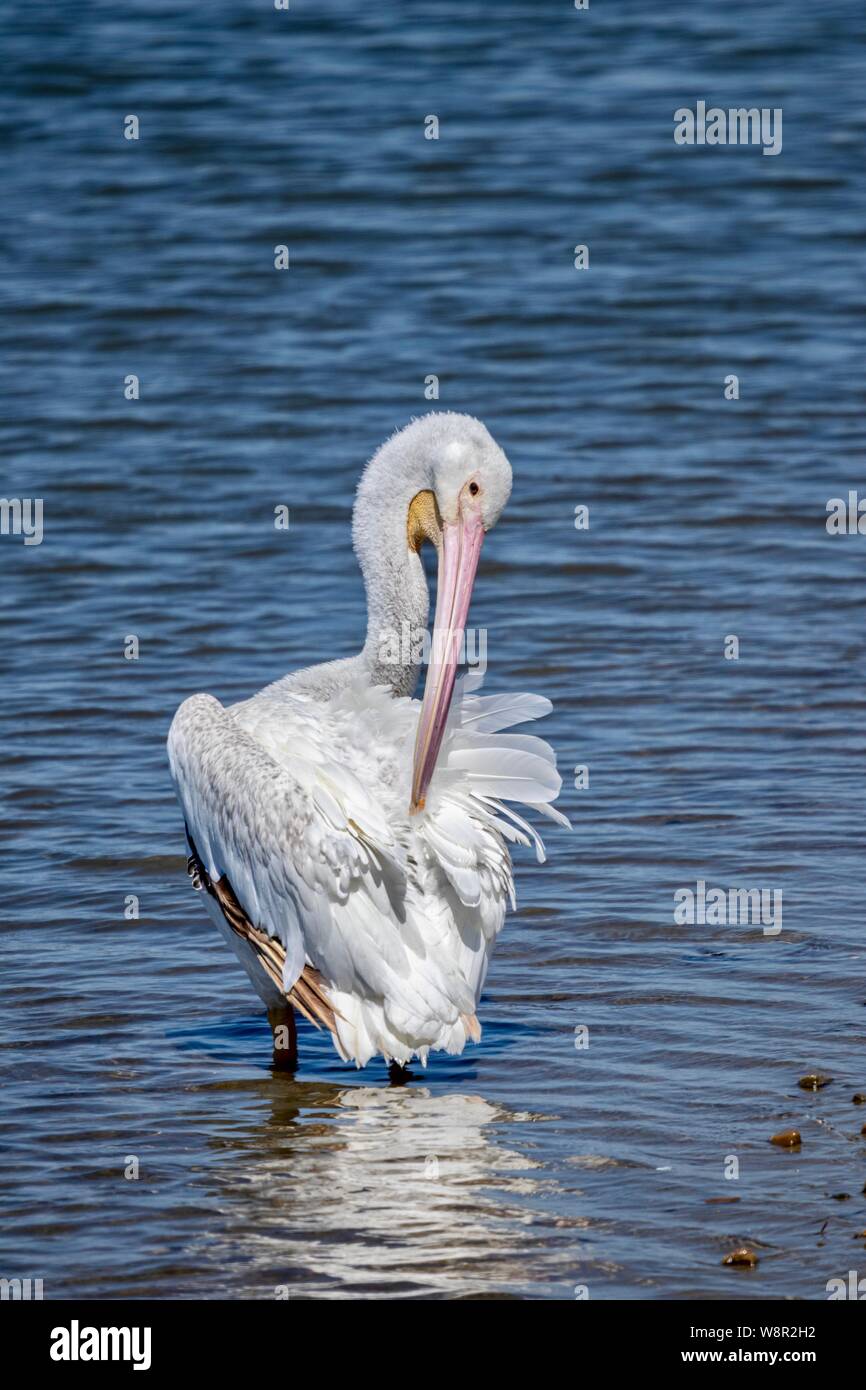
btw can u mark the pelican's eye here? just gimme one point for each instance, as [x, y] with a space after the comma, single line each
[473, 489]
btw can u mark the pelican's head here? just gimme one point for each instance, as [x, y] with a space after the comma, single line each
[470, 482]
[445, 480]
[469, 477]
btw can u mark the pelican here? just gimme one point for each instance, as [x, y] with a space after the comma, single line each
[351, 842]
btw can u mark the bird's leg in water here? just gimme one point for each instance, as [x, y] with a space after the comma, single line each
[282, 1021]
[398, 1075]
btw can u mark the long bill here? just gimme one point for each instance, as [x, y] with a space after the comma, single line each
[459, 552]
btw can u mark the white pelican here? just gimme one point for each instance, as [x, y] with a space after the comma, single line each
[351, 841]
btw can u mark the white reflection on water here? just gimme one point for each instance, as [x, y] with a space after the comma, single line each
[376, 1192]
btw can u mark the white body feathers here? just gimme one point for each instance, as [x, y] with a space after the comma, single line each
[302, 802]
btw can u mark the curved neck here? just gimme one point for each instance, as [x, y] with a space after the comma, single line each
[398, 603]
[397, 600]
[398, 606]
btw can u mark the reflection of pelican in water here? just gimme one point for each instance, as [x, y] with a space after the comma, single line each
[388, 1193]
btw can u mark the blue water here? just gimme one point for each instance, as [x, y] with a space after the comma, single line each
[554, 1167]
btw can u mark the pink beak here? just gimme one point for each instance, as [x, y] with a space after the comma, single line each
[458, 561]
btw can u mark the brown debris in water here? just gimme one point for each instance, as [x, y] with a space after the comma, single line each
[859, 1098]
[787, 1139]
[716, 1201]
[813, 1081]
[744, 1256]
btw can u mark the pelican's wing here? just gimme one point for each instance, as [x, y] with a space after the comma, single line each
[284, 841]
[312, 861]
[309, 992]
